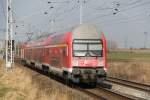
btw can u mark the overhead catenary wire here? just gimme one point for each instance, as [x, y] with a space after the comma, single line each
[36, 13]
[112, 14]
[134, 20]
[62, 11]
[123, 19]
[68, 10]
[95, 18]
[131, 3]
[54, 1]
[77, 4]
[117, 4]
[121, 10]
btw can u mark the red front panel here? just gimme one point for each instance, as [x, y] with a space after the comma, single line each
[70, 50]
[88, 61]
[104, 51]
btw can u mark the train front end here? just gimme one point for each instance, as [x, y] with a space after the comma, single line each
[88, 55]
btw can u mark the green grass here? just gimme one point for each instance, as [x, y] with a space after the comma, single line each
[128, 56]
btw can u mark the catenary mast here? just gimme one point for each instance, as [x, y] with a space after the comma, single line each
[9, 43]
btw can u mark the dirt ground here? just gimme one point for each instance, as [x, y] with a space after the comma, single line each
[137, 71]
[24, 84]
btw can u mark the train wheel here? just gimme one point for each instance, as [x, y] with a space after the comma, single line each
[65, 75]
[66, 78]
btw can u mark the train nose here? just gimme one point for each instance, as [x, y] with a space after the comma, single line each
[87, 78]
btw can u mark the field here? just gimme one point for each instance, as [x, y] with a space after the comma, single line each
[133, 65]
[25, 84]
[128, 56]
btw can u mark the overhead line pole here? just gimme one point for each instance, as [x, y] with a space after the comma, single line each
[81, 9]
[145, 39]
[11, 31]
[6, 41]
[9, 42]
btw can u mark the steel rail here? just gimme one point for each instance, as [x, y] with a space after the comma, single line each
[118, 95]
[96, 96]
[131, 84]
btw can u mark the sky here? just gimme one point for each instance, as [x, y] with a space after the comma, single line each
[122, 21]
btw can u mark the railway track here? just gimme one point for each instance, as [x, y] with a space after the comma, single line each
[107, 94]
[91, 93]
[70, 84]
[118, 96]
[97, 93]
[137, 86]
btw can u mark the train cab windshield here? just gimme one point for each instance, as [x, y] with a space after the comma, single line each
[86, 47]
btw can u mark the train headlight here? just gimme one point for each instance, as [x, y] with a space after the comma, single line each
[100, 63]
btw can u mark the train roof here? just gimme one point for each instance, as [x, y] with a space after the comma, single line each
[86, 31]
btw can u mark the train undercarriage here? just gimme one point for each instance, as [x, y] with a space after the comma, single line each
[79, 75]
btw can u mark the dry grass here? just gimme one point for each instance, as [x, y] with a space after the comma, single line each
[133, 65]
[24, 84]
[133, 71]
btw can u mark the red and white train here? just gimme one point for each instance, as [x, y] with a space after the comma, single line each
[79, 55]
